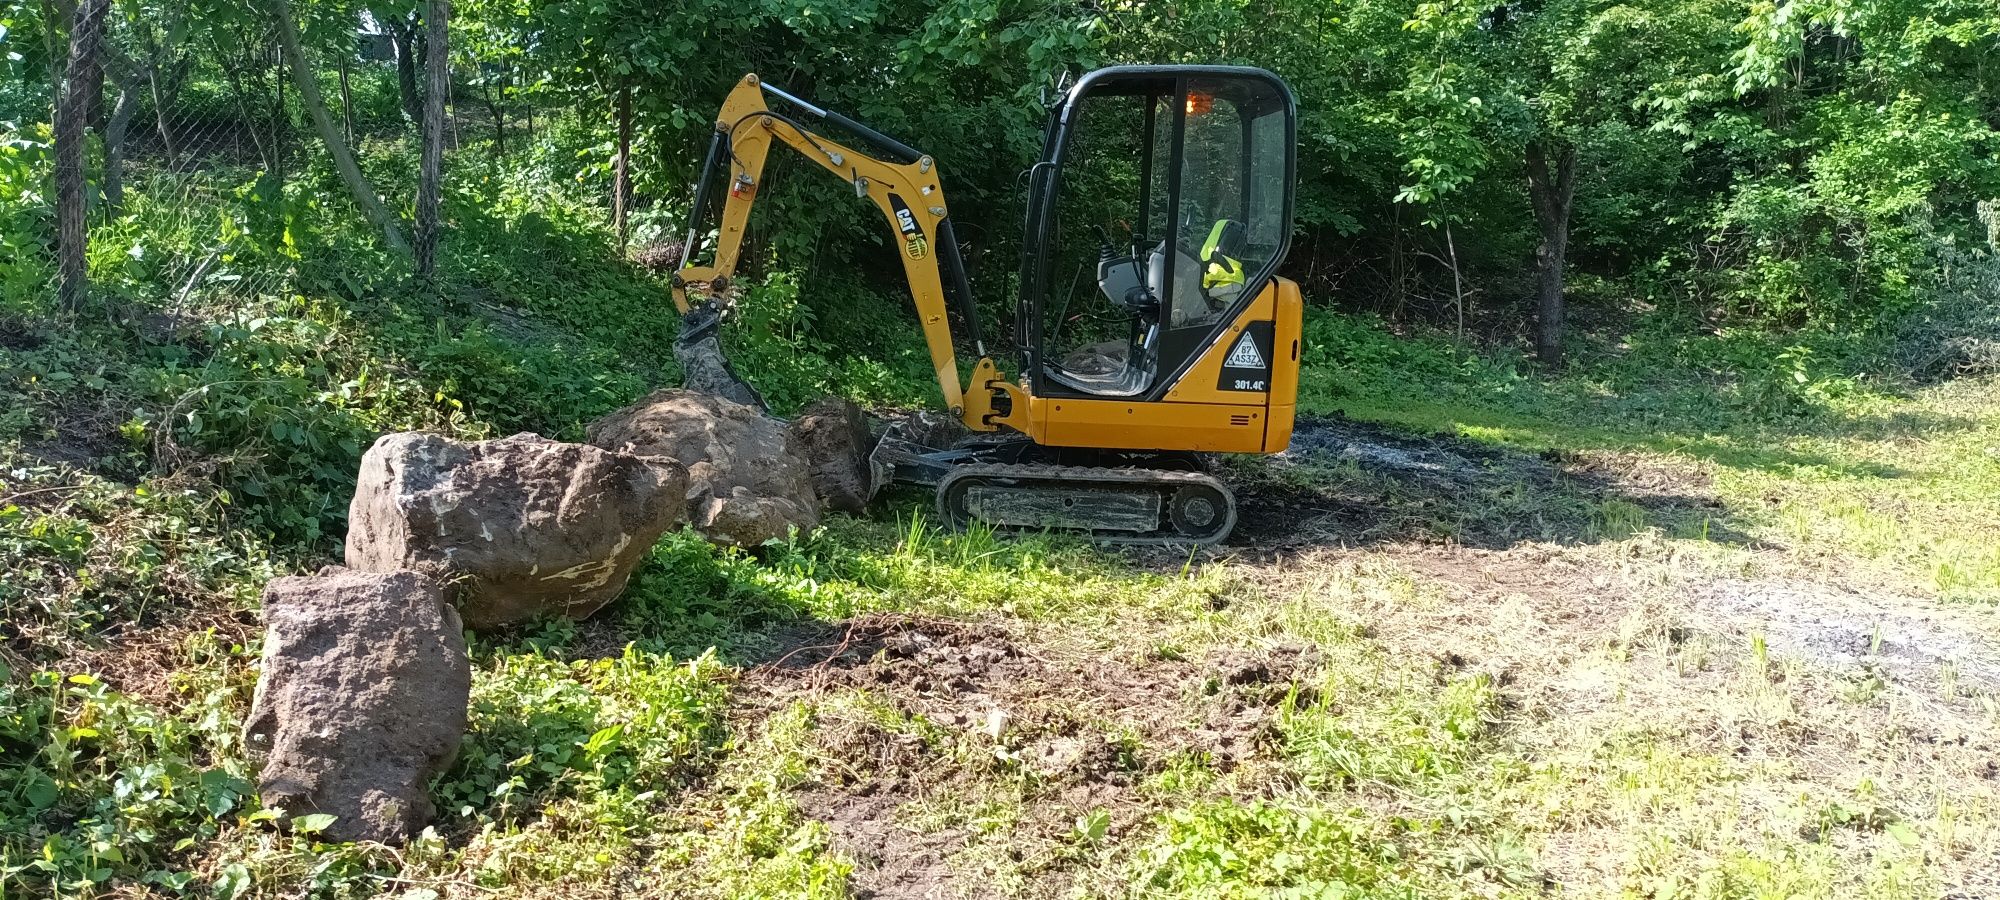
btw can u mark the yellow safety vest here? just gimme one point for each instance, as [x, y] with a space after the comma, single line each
[1221, 269]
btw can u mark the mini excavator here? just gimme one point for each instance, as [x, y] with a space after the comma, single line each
[1170, 187]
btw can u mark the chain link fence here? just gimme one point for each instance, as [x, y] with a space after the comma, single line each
[166, 118]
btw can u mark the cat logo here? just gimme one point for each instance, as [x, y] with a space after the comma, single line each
[1245, 355]
[914, 242]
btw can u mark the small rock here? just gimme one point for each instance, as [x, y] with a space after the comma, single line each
[744, 519]
[746, 482]
[362, 699]
[519, 527]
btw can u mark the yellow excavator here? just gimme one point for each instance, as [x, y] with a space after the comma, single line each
[1151, 325]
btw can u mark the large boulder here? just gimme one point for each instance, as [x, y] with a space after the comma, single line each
[746, 482]
[520, 526]
[362, 699]
[833, 436]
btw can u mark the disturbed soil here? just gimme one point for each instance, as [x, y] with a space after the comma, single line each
[1536, 594]
[1077, 733]
[1842, 621]
[1355, 484]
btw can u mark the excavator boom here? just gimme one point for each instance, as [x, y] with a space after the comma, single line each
[905, 187]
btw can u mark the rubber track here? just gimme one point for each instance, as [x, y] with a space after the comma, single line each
[1088, 476]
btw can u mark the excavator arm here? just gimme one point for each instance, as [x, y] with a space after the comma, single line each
[910, 196]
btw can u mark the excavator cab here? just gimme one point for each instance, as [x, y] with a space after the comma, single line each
[1159, 211]
[1152, 326]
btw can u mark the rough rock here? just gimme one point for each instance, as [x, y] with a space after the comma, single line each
[833, 436]
[746, 482]
[362, 699]
[518, 527]
[698, 348]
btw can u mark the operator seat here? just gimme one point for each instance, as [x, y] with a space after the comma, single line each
[1204, 289]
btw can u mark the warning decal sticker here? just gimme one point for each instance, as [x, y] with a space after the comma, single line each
[1245, 356]
[1248, 365]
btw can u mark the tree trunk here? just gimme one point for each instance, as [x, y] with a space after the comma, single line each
[278, 119]
[1396, 275]
[115, 130]
[621, 182]
[165, 84]
[93, 84]
[1551, 194]
[403, 37]
[499, 121]
[346, 105]
[437, 77]
[1457, 281]
[343, 161]
[81, 78]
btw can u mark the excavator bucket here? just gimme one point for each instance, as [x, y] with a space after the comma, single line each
[703, 366]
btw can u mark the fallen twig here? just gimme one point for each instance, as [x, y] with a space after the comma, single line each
[40, 490]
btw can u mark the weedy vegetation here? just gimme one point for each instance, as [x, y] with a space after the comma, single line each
[1706, 609]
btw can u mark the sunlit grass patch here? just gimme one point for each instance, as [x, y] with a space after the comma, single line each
[1678, 822]
[542, 729]
[1264, 848]
[1834, 470]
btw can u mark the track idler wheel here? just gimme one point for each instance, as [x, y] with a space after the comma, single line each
[1201, 513]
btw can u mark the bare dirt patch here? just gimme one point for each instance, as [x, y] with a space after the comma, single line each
[1044, 735]
[1906, 639]
[1348, 483]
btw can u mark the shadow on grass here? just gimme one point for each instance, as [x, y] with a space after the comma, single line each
[1354, 484]
[1739, 448]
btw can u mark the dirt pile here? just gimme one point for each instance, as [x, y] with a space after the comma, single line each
[1348, 483]
[519, 527]
[361, 701]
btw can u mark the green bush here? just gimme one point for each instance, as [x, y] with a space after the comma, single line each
[97, 788]
[543, 729]
[26, 219]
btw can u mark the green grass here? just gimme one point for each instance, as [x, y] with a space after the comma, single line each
[1458, 728]
[1833, 466]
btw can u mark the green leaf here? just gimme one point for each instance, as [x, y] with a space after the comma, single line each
[603, 741]
[41, 791]
[233, 882]
[313, 823]
[1091, 828]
